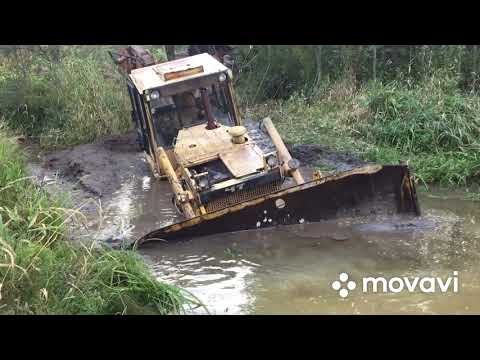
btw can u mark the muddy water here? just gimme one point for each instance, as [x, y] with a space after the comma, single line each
[288, 270]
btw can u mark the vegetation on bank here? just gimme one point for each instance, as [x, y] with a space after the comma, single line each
[432, 125]
[279, 71]
[384, 103]
[42, 273]
[63, 99]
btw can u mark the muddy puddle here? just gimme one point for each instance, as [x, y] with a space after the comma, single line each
[286, 270]
[290, 270]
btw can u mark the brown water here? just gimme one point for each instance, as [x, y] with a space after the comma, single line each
[290, 270]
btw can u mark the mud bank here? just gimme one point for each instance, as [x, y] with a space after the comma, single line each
[93, 178]
[101, 168]
[90, 171]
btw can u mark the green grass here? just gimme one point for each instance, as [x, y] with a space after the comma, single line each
[42, 273]
[432, 125]
[75, 99]
[324, 168]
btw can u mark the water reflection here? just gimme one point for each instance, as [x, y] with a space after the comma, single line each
[224, 283]
[290, 270]
[138, 207]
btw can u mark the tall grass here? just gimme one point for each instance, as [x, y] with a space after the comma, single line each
[431, 124]
[72, 99]
[431, 117]
[434, 124]
[42, 273]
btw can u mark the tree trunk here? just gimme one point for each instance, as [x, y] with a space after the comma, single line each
[348, 54]
[357, 52]
[474, 66]
[170, 51]
[424, 61]
[475, 62]
[460, 59]
[318, 59]
[410, 58]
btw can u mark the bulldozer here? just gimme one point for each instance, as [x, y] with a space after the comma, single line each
[192, 132]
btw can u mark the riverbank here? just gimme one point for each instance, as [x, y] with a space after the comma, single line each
[432, 125]
[418, 103]
[43, 273]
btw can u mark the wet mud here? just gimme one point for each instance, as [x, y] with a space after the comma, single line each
[98, 169]
[320, 156]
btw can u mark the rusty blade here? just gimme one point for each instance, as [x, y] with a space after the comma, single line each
[363, 191]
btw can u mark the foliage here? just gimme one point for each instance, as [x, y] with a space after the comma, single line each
[278, 71]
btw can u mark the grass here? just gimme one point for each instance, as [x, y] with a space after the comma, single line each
[432, 125]
[74, 99]
[42, 273]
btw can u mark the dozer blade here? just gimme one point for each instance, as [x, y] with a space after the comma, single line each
[363, 191]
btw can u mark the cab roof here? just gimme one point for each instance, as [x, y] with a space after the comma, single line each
[193, 67]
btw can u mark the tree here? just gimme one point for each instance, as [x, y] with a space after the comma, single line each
[170, 51]
[318, 60]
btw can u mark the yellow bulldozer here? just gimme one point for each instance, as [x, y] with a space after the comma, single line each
[192, 132]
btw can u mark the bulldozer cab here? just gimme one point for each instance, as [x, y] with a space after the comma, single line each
[180, 94]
